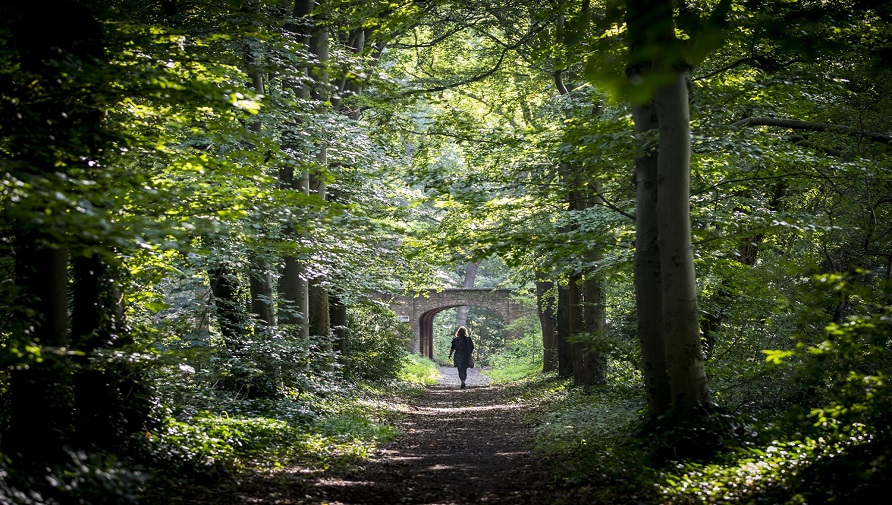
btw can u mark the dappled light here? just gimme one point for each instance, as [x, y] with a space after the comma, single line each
[306, 252]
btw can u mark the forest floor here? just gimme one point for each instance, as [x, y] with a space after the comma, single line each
[456, 446]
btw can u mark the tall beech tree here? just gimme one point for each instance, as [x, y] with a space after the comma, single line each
[657, 63]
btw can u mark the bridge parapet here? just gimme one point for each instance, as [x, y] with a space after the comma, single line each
[419, 311]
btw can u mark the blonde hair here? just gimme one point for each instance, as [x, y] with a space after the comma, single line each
[462, 332]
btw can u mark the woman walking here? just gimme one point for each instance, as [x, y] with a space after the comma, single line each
[462, 346]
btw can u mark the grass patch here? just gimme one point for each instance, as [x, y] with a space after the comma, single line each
[512, 371]
[419, 370]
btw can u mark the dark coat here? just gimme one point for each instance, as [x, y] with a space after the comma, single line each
[463, 347]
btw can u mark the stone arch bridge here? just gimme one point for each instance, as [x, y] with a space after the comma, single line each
[419, 311]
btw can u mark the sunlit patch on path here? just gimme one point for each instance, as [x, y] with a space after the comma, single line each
[457, 446]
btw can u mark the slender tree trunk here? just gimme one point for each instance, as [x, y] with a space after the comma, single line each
[339, 325]
[580, 352]
[260, 277]
[684, 354]
[595, 323]
[546, 308]
[293, 285]
[320, 323]
[461, 313]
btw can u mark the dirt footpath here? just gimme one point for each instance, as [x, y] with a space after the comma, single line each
[457, 446]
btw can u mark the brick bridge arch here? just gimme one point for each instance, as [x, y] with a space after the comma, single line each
[419, 311]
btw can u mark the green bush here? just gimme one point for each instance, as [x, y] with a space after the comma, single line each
[376, 343]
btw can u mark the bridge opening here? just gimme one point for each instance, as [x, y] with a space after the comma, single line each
[487, 328]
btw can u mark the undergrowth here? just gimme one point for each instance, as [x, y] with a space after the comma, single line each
[336, 425]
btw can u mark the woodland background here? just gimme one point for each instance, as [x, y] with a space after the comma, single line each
[199, 200]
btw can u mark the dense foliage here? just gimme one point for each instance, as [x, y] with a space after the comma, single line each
[200, 199]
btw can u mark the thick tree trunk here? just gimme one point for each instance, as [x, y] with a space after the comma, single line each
[339, 325]
[565, 354]
[594, 318]
[230, 314]
[684, 354]
[293, 296]
[580, 352]
[648, 290]
[40, 395]
[42, 279]
[320, 324]
[655, 59]
[589, 364]
[262, 294]
[546, 309]
[111, 400]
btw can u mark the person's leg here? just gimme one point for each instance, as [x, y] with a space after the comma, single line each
[462, 375]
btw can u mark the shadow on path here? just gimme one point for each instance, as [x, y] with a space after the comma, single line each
[456, 446]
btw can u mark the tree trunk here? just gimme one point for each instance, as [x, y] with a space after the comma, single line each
[260, 277]
[261, 282]
[320, 324]
[40, 395]
[565, 360]
[293, 285]
[684, 354]
[461, 313]
[319, 321]
[338, 317]
[293, 296]
[655, 57]
[589, 318]
[230, 316]
[111, 400]
[580, 352]
[42, 278]
[546, 309]
[594, 318]
[648, 290]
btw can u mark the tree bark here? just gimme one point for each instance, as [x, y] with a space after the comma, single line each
[546, 309]
[293, 284]
[38, 430]
[565, 359]
[461, 313]
[648, 290]
[594, 318]
[111, 400]
[339, 325]
[262, 293]
[260, 278]
[230, 316]
[656, 58]
[320, 324]
[581, 355]
[59, 126]
[684, 354]
[795, 124]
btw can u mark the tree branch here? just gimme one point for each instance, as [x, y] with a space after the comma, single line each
[796, 124]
